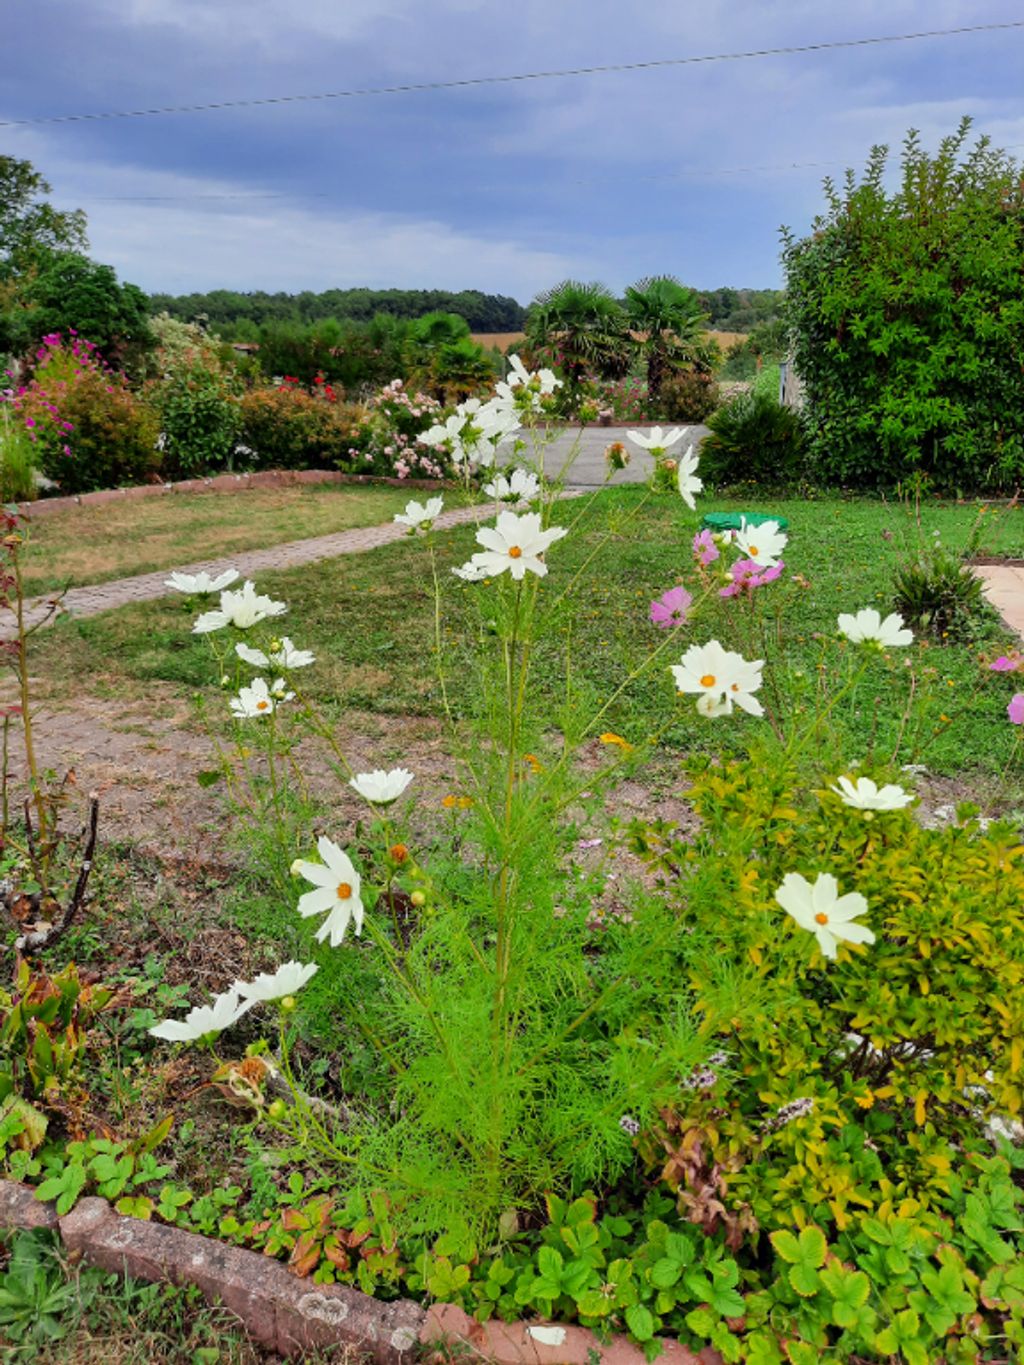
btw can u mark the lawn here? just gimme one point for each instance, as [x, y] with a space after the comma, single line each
[94, 544]
[369, 619]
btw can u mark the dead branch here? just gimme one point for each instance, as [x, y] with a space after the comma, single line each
[46, 936]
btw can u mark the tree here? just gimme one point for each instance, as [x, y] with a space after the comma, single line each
[668, 326]
[908, 320]
[28, 223]
[65, 290]
[583, 324]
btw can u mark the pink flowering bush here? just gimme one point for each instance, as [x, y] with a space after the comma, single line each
[88, 428]
[396, 419]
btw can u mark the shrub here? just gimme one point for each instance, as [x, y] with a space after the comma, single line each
[288, 428]
[89, 429]
[753, 439]
[908, 321]
[199, 416]
[17, 456]
[688, 396]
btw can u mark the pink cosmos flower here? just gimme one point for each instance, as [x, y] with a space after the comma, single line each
[704, 548]
[1005, 665]
[746, 576]
[670, 608]
[1015, 709]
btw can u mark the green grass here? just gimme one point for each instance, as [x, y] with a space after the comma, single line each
[116, 540]
[369, 618]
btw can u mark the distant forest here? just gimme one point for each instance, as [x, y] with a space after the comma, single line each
[238, 317]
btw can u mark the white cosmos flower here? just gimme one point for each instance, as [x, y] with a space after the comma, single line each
[420, 516]
[866, 795]
[515, 544]
[867, 627]
[656, 439]
[283, 654]
[336, 892]
[289, 978]
[200, 583]
[821, 910]
[720, 678]
[521, 486]
[241, 608]
[380, 788]
[258, 699]
[687, 478]
[470, 573]
[763, 544]
[203, 1019]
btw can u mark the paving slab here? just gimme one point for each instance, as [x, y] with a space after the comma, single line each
[1004, 587]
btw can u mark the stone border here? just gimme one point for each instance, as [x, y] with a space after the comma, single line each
[292, 1315]
[218, 483]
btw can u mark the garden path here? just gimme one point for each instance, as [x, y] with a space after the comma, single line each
[589, 469]
[1004, 588]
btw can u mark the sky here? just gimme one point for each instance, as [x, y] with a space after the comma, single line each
[687, 170]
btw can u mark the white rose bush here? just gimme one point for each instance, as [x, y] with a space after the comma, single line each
[522, 1038]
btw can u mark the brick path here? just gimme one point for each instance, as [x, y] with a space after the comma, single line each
[147, 587]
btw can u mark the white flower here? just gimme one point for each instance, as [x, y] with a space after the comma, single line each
[258, 699]
[656, 439]
[867, 627]
[515, 544]
[720, 678]
[241, 608]
[865, 795]
[444, 433]
[201, 583]
[470, 573]
[226, 1010]
[419, 516]
[336, 894]
[381, 788]
[687, 478]
[283, 654]
[521, 486]
[763, 544]
[821, 910]
[289, 978]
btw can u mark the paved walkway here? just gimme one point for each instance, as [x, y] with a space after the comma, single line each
[1004, 588]
[584, 448]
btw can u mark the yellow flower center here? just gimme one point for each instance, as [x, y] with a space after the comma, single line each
[708, 680]
[514, 552]
[262, 705]
[751, 551]
[344, 891]
[820, 918]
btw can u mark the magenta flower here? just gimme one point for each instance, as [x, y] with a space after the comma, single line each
[704, 548]
[670, 608]
[1015, 709]
[1004, 665]
[746, 576]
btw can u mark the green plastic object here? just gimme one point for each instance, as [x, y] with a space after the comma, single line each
[732, 521]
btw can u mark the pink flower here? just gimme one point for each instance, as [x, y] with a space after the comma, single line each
[670, 608]
[1015, 709]
[1004, 665]
[746, 576]
[704, 548]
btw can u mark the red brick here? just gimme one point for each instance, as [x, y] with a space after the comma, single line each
[19, 1208]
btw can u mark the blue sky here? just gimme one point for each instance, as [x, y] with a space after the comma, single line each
[508, 188]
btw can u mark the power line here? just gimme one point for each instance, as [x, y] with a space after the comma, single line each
[420, 86]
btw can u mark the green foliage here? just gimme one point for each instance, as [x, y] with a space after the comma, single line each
[741, 310]
[754, 439]
[908, 321]
[44, 1028]
[28, 222]
[200, 418]
[936, 593]
[38, 1305]
[687, 396]
[853, 1084]
[667, 324]
[67, 292]
[580, 327]
[288, 428]
[17, 458]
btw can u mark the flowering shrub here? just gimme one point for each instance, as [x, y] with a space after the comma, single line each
[288, 428]
[687, 396]
[391, 444]
[88, 428]
[200, 419]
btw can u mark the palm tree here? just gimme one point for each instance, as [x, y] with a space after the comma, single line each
[668, 324]
[583, 323]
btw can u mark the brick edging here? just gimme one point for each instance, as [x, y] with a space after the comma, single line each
[217, 483]
[292, 1315]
